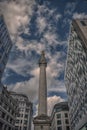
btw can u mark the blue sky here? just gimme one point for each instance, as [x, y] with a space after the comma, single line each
[34, 27]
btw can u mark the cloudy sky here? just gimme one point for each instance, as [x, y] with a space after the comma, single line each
[36, 25]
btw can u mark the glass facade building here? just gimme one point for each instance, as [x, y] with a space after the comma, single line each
[76, 74]
[5, 45]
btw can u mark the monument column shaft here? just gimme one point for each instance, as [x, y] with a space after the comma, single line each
[42, 109]
[42, 121]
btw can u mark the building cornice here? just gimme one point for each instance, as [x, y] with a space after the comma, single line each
[79, 31]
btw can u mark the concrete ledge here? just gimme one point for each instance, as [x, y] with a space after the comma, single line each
[44, 119]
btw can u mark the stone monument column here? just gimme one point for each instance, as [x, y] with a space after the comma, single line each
[42, 108]
[42, 121]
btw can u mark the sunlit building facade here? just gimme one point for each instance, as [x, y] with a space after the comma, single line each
[60, 117]
[76, 75]
[5, 45]
[24, 118]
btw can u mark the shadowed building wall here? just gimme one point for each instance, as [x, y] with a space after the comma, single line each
[76, 74]
[5, 45]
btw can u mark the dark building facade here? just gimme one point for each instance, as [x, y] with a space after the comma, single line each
[5, 45]
[8, 110]
[76, 75]
[8, 106]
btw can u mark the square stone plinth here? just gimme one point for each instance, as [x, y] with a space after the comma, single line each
[42, 122]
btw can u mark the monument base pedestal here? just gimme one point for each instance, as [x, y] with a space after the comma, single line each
[42, 122]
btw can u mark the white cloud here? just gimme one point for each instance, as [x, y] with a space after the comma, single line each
[45, 18]
[30, 45]
[79, 16]
[60, 87]
[41, 24]
[53, 70]
[50, 37]
[44, 22]
[19, 66]
[51, 101]
[17, 14]
[57, 17]
[29, 87]
[70, 7]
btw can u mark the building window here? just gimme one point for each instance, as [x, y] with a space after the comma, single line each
[27, 110]
[18, 115]
[59, 128]
[21, 121]
[3, 115]
[16, 127]
[66, 114]
[58, 115]
[83, 23]
[58, 109]
[9, 128]
[41, 127]
[1, 125]
[26, 116]
[59, 122]
[21, 115]
[25, 128]
[67, 128]
[67, 121]
[25, 122]
[17, 121]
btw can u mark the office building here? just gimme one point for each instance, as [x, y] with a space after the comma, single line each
[8, 110]
[5, 45]
[60, 117]
[76, 74]
[8, 106]
[24, 118]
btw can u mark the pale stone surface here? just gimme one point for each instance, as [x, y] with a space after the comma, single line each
[41, 127]
[42, 109]
[42, 121]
